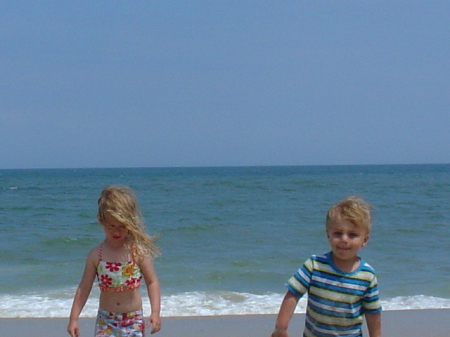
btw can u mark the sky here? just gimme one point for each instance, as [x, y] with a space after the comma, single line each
[223, 83]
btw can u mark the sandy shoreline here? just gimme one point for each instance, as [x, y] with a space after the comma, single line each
[406, 323]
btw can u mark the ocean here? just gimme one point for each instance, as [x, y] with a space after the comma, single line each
[230, 236]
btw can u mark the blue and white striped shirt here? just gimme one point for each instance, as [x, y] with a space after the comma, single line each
[337, 301]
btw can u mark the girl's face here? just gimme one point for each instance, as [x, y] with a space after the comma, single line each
[115, 231]
[346, 239]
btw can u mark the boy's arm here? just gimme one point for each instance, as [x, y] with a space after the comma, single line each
[287, 309]
[374, 324]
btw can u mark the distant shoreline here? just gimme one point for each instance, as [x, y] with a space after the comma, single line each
[217, 166]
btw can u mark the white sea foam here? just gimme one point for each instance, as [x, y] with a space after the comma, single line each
[57, 304]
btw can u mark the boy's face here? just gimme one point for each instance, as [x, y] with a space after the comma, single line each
[346, 239]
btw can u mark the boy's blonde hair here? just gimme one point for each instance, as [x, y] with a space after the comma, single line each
[120, 202]
[353, 209]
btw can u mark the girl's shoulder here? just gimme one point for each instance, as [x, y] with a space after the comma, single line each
[140, 252]
[94, 254]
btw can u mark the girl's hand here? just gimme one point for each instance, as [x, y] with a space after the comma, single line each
[73, 329]
[155, 321]
[279, 333]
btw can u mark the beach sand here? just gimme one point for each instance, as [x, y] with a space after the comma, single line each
[407, 323]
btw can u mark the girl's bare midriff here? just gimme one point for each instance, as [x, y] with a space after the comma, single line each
[122, 302]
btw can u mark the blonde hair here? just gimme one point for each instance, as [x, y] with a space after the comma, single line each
[353, 209]
[120, 202]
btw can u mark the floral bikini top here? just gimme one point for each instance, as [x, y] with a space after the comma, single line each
[117, 276]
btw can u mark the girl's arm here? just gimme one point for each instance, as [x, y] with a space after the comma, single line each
[154, 293]
[374, 324]
[82, 293]
[287, 309]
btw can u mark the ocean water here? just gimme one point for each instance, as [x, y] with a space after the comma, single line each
[230, 237]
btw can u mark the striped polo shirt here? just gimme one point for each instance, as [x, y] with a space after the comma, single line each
[337, 301]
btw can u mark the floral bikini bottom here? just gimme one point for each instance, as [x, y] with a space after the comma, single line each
[110, 324]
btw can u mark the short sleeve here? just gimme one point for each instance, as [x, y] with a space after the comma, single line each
[298, 284]
[371, 300]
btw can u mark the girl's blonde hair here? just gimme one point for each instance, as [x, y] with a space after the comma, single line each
[353, 209]
[120, 202]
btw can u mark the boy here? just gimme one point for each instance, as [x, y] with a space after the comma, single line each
[341, 287]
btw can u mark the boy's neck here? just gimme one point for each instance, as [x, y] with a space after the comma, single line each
[347, 266]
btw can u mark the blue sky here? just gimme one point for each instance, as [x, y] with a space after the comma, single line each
[223, 83]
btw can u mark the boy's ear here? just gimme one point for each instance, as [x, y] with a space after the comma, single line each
[366, 239]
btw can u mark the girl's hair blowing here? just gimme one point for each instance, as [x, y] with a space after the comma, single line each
[120, 202]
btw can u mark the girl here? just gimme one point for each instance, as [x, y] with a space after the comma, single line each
[119, 263]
